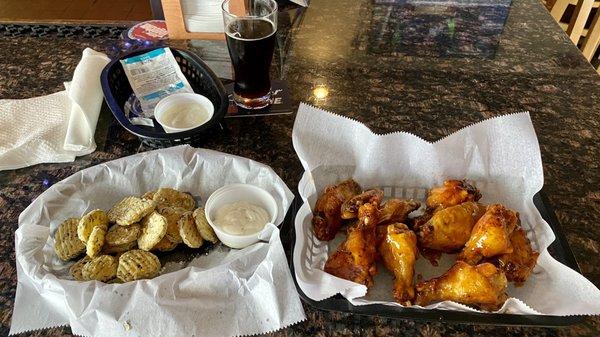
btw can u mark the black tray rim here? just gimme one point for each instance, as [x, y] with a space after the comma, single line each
[117, 111]
[562, 253]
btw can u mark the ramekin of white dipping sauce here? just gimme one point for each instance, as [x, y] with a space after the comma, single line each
[184, 111]
[239, 212]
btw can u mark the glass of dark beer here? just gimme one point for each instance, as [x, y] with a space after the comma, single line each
[250, 27]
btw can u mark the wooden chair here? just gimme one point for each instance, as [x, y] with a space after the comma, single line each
[575, 28]
[558, 7]
[592, 39]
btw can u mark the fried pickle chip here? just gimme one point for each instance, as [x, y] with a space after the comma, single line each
[110, 249]
[137, 264]
[66, 241]
[165, 245]
[76, 268]
[148, 195]
[115, 280]
[96, 241]
[172, 214]
[188, 231]
[168, 197]
[120, 235]
[101, 268]
[154, 228]
[203, 226]
[130, 210]
[87, 223]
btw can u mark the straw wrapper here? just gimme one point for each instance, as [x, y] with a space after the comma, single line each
[224, 293]
[501, 155]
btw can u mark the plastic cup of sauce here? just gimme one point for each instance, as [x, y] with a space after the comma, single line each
[238, 213]
[184, 111]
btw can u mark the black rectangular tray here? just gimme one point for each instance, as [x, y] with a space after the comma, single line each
[559, 249]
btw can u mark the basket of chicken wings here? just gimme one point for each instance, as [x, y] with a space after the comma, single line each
[452, 230]
[492, 247]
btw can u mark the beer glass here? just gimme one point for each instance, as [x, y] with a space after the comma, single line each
[250, 27]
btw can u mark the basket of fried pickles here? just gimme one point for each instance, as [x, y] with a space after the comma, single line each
[118, 244]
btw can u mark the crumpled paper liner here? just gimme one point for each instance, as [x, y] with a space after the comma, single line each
[225, 293]
[500, 154]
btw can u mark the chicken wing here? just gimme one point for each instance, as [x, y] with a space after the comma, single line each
[327, 218]
[518, 265]
[397, 210]
[483, 286]
[450, 228]
[491, 235]
[394, 211]
[421, 220]
[350, 207]
[453, 192]
[354, 259]
[399, 252]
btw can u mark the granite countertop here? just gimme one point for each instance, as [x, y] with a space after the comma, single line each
[422, 67]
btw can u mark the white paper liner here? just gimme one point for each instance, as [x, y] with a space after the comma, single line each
[500, 154]
[224, 293]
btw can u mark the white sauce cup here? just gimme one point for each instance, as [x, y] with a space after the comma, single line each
[234, 193]
[180, 99]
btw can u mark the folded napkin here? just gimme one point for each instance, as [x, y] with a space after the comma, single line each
[57, 127]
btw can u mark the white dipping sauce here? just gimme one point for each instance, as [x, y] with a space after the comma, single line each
[241, 218]
[185, 115]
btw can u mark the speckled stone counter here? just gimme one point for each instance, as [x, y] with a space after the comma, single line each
[426, 69]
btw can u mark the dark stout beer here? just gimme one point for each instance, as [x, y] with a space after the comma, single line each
[251, 42]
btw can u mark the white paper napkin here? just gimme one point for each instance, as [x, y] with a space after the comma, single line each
[225, 293]
[501, 155]
[57, 127]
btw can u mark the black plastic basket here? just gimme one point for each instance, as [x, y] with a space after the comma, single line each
[559, 249]
[203, 81]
